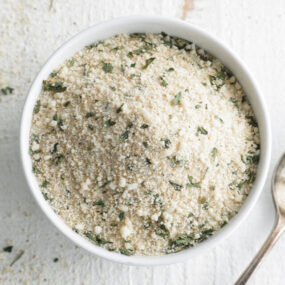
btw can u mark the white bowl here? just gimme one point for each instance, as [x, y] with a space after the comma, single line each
[153, 24]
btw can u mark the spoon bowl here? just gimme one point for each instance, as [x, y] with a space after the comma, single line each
[278, 194]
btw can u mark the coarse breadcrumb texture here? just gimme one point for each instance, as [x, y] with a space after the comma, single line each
[145, 144]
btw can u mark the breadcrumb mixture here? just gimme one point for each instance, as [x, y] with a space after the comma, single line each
[144, 144]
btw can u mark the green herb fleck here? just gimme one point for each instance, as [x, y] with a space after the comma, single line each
[144, 126]
[33, 152]
[90, 236]
[105, 184]
[66, 103]
[113, 88]
[7, 90]
[55, 260]
[148, 62]
[89, 115]
[252, 121]
[117, 48]
[190, 215]
[99, 203]
[55, 87]
[36, 138]
[59, 121]
[240, 185]
[90, 127]
[202, 131]
[107, 67]
[53, 74]
[212, 187]
[96, 239]
[250, 159]
[37, 107]
[176, 186]
[214, 152]
[177, 99]
[183, 241]
[36, 170]
[138, 36]
[180, 43]
[166, 142]
[130, 54]
[205, 234]
[148, 162]
[54, 148]
[121, 216]
[174, 161]
[45, 196]
[45, 184]
[193, 184]
[161, 230]
[127, 252]
[125, 135]
[234, 101]
[109, 123]
[72, 62]
[220, 119]
[59, 159]
[120, 108]
[8, 248]
[170, 69]
[94, 45]
[218, 81]
[145, 144]
[17, 257]
[163, 82]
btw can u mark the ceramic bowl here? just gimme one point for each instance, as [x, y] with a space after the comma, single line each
[149, 24]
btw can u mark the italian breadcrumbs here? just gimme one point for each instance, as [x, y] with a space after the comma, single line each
[144, 144]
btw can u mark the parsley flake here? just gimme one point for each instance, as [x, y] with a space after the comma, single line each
[176, 186]
[99, 203]
[121, 216]
[177, 99]
[125, 135]
[144, 126]
[107, 67]
[8, 248]
[55, 87]
[166, 142]
[214, 152]
[109, 123]
[45, 184]
[148, 62]
[193, 184]
[37, 107]
[202, 131]
[7, 90]
[127, 252]
[89, 115]
[120, 108]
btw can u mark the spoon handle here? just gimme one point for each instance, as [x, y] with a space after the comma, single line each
[271, 240]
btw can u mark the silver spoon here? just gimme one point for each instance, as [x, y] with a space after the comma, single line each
[278, 193]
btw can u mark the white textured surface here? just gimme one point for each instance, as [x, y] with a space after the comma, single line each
[29, 33]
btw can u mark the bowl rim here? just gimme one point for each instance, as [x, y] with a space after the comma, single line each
[56, 220]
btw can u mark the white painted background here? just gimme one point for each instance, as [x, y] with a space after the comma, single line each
[29, 33]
